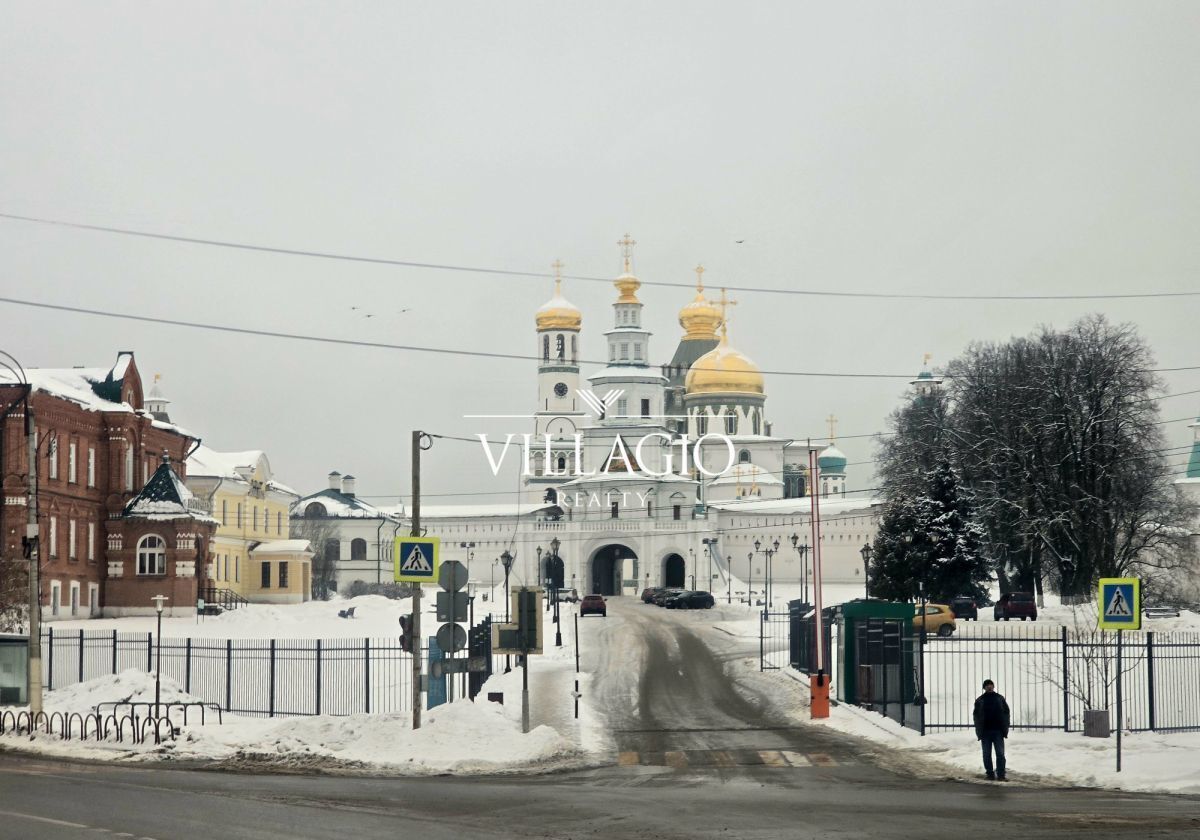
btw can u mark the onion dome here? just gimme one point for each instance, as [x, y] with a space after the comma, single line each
[558, 313]
[724, 370]
[832, 460]
[700, 318]
[627, 284]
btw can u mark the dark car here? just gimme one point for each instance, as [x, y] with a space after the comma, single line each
[665, 594]
[593, 605]
[964, 607]
[690, 601]
[649, 592]
[1012, 605]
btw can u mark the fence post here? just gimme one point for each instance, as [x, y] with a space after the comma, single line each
[229, 675]
[318, 676]
[762, 624]
[271, 684]
[367, 672]
[187, 666]
[149, 653]
[114, 652]
[81, 656]
[1150, 675]
[1066, 682]
[50, 660]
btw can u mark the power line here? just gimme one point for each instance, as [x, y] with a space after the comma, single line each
[328, 255]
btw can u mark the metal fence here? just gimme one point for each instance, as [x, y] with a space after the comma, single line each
[256, 677]
[1051, 675]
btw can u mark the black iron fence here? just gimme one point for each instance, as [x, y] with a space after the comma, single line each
[1051, 675]
[256, 677]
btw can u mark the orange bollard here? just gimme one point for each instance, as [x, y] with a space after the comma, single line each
[819, 686]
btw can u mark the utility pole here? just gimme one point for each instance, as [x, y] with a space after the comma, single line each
[416, 598]
[33, 547]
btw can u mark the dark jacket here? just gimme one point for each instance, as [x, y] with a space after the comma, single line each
[991, 714]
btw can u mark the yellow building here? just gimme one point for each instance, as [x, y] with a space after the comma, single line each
[253, 554]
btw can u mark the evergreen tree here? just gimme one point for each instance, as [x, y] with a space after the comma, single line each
[930, 539]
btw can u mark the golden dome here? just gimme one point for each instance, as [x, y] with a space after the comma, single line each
[700, 318]
[558, 313]
[724, 370]
[627, 285]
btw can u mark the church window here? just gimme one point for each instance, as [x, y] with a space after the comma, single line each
[731, 424]
[616, 510]
[622, 407]
[624, 350]
[637, 350]
[645, 407]
[612, 352]
[560, 348]
[701, 424]
[152, 556]
[358, 549]
[676, 512]
[744, 456]
[562, 464]
[545, 348]
[650, 509]
[756, 423]
[574, 348]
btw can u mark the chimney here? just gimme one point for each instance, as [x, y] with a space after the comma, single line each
[335, 481]
[348, 486]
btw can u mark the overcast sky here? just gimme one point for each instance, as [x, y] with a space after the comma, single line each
[938, 148]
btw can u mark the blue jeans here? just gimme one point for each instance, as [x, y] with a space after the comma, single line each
[993, 738]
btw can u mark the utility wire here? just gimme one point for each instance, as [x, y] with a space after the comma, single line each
[326, 255]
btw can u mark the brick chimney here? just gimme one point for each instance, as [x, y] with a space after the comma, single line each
[348, 483]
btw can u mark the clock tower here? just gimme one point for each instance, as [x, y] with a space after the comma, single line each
[559, 411]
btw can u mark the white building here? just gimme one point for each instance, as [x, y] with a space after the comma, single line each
[655, 476]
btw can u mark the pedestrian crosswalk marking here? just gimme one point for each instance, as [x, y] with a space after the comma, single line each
[724, 759]
[1118, 606]
[417, 562]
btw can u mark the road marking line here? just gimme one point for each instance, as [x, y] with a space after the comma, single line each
[47, 820]
[720, 758]
[773, 758]
[676, 759]
[627, 759]
[794, 758]
[822, 760]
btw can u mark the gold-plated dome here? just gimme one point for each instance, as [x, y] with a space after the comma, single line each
[558, 313]
[700, 318]
[724, 370]
[627, 284]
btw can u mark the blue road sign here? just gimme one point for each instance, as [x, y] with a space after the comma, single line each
[1120, 604]
[416, 559]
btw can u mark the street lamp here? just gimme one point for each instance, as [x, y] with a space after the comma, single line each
[770, 552]
[710, 544]
[543, 577]
[865, 551]
[802, 550]
[506, 560]
[750, 575]
[554, 559]
[729, 579]
[158, 606]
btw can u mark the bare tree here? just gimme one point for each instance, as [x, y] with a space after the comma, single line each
[322, 534]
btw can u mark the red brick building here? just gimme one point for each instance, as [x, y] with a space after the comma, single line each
[114, 528]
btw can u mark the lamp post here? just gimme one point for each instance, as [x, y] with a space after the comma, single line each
[865, 551]
[543, 578]
[158, 606]
[729, 579]
[506, 560]
[919, 700]
[750, 582]
[554, 558]
[710, 544]
[770, 552]
[802, 550]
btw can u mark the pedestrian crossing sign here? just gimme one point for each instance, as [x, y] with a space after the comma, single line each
[416, 559]
[1120, 604]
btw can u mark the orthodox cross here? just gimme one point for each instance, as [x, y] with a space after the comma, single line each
[832, 421]
[724, 303]
[699, 278]
[627, 250]
[557, 265]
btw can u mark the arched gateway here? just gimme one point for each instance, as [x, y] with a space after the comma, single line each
[674, 571]
[610, 565]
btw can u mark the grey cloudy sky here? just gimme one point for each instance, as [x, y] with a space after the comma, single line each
[920, 147]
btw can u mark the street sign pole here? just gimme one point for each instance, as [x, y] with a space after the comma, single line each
[1120, 639]
[416, 599]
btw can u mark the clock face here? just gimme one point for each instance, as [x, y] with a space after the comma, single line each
[560, 390]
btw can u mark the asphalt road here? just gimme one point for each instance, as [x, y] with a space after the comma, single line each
[692, 758]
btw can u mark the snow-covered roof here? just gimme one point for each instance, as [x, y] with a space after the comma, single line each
[508, 509]
[282, 547]
[626, 478]
[340, 506]
[72, 384]
[165, 496]
[802, 505]
[205, 461]
[640, 370]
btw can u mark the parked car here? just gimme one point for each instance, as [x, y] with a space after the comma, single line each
[663, 595]
[593, 605]
[938, 618]
[690, 601]
[1011, 605]
[649, 592]
[569, 596]
[964, 607]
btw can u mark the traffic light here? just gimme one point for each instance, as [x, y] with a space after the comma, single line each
[406, 640]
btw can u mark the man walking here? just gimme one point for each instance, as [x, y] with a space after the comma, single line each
[991, 727]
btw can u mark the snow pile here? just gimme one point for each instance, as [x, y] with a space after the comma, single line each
[131, 685]
[459, 738]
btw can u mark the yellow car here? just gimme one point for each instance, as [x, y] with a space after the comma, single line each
[938, 618]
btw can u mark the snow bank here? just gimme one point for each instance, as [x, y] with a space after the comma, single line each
[461, 738]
